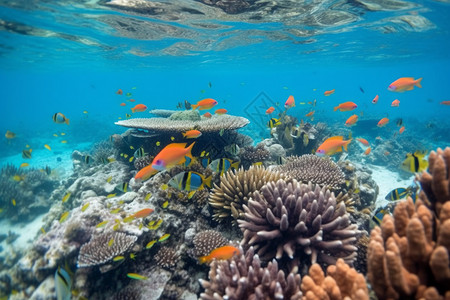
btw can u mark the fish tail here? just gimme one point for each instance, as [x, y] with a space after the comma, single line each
[202, 259]
[132, 110]
[194, 106]
[67, 121]
[207, 181]
[336, 108]
[346, 144]
[183, 134]
[417, 83]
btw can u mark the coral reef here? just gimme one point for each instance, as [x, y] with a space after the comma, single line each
[314, 169]
[163, 113]
[299, 220]
[208, 240]
[408, 257]
[250, 155]
[167, 257]
[103, 248]
[235, 189]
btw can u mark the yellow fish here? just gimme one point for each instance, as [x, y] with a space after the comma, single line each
[62, 133]
[13, 201]
[63, 217]
[42, 230]
[136, 276]
[115, 211]
[84, 207]
[119, 258]
[111, 195]
[108, 180]
[55, 135]
[47, 147]
[66, 197]
[150, 244]
[165, 204]
[17, 178]
[23, 165]
[164, 237]
[64, 142]
[111, 242]
[147, 197]
[101, 224]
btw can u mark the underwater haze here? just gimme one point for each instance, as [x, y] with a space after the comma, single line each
[74, 150]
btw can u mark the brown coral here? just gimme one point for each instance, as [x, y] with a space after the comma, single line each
[167, 257]
[98, 251]
[234, 190]
[298, 219]
[315, 169]
[208, 240]
[409, 255]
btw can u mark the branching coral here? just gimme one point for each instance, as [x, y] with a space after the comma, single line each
[99, 249]
[315, 169]
[235, 188]
[208, 240]
[297, 219]
[408, 257]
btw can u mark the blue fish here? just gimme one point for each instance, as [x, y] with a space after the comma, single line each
[189, 181]
[221, 165]
[63, 284]
[378, 217]
[397, 194]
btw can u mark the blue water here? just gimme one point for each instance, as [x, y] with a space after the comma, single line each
[72, 57]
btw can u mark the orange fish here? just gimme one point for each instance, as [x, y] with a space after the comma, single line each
[221, 111]
[383, 122]
[346, 106]
[363, 141]
[207, 103]
[221, 253]
[332, 145]
[395, 103]
[367, 151]
[328, 93]
[445, 103]
[145, 173]
[311, 113]
[375, 100]
[401, 129]
[191, 134]
[171, 155]
[351, 121]
[404, 84]
[270, 110]
[207, 115]
[142, 213]
[290, 102]
[387, 153]
[123, 104]
[132, 100]
[139, 108]
[119, 92]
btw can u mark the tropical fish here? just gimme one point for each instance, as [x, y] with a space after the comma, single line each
[363, 141]
[48, 147]
[119, 92]
[18, 178]
[383, 122]
[13, 201]
[87, 159]
[110, 242]
[395, 103]
[221, 253]
[207, 115]
[415, 162]
[270, 110]
[59, 118]
[66, 197]
[123, 187]
[221, 165]
[352, 120]
[145, 173]
[220, 111]
[445, 102]
[397, 194]
[118, 258]
[290, 102]
[137, 276]
[207, 103]
[310, 114]
[63, 142]
[171, 155]
[128, 94]
[164, 237]
[375, 100]
[111, 195]
[367, 152]
[23, 165]
[132, 100]
[273, 123]
[332, 145]
[150, 244]
[328, 93]
[147, 197]
[401, 129]
[101, 224]
[400, 122]
[123, 104]
[63, 284]
[191, 134]
[138, 108]
[361, 89]
[346, 106]
[140, 214]
[10, 135]
[404, 84]
[63, 217]
[379, 215]
[140, 152]
[187, 181]
[165, 204]
[233, 149]
[84, 207]
[26, 153]
[106, 160]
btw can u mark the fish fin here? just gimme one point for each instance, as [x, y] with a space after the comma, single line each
[207, 181]
[132, 110]
[346, 144]
[338, 137]
[202, 259]
[417, 83]
[194, 106]
[67, 121]
[189, 149]
[235, 165]
[336, 108]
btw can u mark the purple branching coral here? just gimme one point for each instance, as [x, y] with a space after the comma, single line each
[298, 219]
[243, 277]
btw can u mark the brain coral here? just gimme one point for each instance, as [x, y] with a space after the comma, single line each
[297, 220]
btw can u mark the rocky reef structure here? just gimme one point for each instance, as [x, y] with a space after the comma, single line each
[300, 221]
[312, 168]
[236, 188]
[408, 256]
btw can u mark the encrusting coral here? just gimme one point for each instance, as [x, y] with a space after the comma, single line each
[298, 219]
[315, 169]
[235, 188]
[408, 257]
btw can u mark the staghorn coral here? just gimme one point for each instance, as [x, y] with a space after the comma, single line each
[235, 188]
[208, 240]
[214, 124]
[408, 256]
[243, 277]
[97, 251]
[298, 219]
[167, 257]
[341, 282]
[315, 169]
